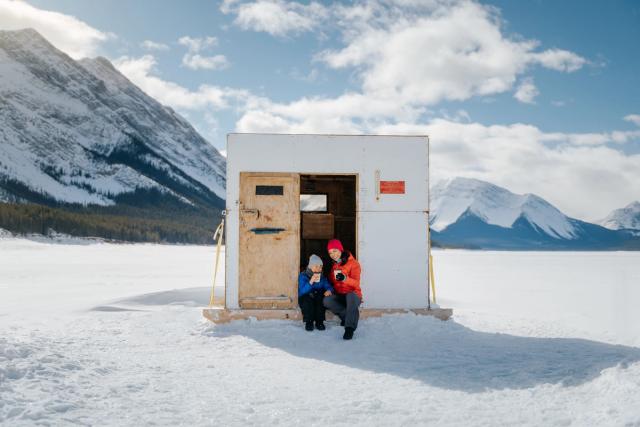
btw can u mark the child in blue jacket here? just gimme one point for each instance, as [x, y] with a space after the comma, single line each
[312, 288]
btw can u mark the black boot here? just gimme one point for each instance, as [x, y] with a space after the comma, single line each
[308, 326]
[348, 333]
[320, 326]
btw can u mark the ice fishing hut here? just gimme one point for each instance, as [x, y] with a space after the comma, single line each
[287, 195]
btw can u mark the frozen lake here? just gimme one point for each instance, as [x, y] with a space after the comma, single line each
[112, 335]
[593, 294]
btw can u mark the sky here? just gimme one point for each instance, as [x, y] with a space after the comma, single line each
[539, 97]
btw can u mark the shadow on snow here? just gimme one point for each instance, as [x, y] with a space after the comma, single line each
[442, 354]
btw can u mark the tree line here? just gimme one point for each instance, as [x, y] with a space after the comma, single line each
[120, 223]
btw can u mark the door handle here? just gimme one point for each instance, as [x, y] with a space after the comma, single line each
[254, 211]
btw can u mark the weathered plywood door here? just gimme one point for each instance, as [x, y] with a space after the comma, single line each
[269, 208]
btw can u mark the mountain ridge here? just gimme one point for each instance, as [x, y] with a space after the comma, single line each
[69, 117]
[82, 139]
[471, 213]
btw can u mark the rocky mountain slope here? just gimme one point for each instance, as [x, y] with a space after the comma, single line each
[79, 134]
[627, 218]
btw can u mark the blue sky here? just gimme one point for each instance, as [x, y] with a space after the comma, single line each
[538, 96]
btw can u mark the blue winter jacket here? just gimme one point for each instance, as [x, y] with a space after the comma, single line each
[304, 287]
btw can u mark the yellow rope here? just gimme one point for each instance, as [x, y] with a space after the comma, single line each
[218, 234]
[432, 279]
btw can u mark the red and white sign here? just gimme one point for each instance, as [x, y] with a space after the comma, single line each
[391, 187]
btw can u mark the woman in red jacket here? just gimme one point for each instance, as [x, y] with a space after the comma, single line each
[345, 278]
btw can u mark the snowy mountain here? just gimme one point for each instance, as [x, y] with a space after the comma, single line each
[79, 132]
[472, 213]
[625, 218]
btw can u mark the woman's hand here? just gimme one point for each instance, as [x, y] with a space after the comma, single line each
[327, 293]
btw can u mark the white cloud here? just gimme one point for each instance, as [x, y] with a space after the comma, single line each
[142, 71]
[409, 55]
[276, 17]
[66, 32]
[424, 53]
[197, 44]
[613, 137]
[559, 60]
[195, 61]
[633, 118]
[351, 112]
[151, 45]
[527, 91]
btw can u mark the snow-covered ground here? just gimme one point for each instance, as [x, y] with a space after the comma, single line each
[103, 334]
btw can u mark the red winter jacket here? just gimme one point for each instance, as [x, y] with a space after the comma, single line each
[351, 269]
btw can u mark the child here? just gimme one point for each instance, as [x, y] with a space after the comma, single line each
[312, 288]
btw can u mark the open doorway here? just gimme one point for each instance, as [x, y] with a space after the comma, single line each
[328, 210]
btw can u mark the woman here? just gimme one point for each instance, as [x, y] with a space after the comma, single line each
[312, 286]
[345, 278]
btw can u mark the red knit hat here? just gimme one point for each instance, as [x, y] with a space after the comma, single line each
[335, 244]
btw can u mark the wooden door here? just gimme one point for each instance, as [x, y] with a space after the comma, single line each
[269, 240]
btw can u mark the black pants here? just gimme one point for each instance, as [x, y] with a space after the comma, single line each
[312, 307]
[346, 307]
